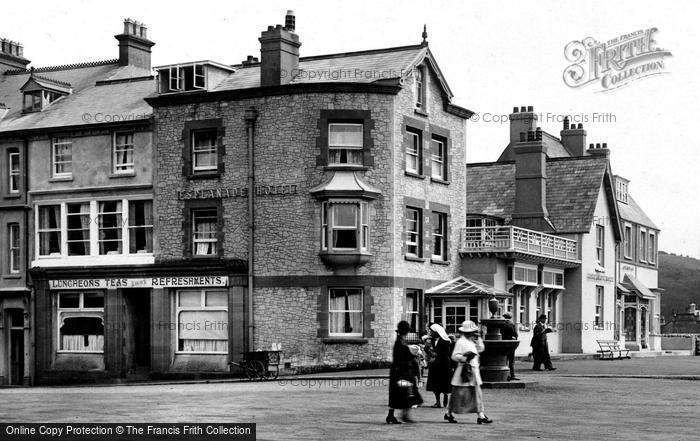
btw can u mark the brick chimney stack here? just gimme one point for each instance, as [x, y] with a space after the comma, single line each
[279, 53]
[11, 55]
[134, 45]
[598, 149]
[531, 182]
[521, 122]
[573, 138]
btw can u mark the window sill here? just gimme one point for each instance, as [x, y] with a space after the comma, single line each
[342, 259]
[345, 340]
[61, 179]
[203, 175]
[440, 262]
[122, 175]
[346, 167]
[12, 196]
[413, 174]
[439, 181]
[12, 276]
[421, 112]
[414, 258]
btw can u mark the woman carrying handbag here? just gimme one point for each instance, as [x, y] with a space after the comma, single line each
[403, 377]
[466, 382]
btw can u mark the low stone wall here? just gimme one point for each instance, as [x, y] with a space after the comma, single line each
[678, 342]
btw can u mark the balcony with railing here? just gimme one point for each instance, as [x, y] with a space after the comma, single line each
[511, 239]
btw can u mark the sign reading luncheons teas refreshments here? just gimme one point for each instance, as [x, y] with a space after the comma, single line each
[144, 282]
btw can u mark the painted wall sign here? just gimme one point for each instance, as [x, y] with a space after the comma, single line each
[627, 269]
[145, 282]
[223, 193]
[600, 278]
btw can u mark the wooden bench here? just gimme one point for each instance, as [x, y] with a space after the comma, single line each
[611, 350]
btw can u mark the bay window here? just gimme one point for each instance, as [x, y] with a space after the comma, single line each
[78, 229]
[202, 321]
[49, 230]
[140, 226]
[81, 322]
[345, 312]
[110, 223]
[345, 144]
[345, 225]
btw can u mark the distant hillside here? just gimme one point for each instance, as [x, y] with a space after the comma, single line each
[679, 276]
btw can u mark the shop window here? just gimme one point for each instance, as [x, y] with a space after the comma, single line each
[414, 151]
[414, 232]
[123, 153]
[14, 247]
[202, 321]
[62, 158]
[439, 225]
[14, 170]
[345, 312]
[49, 230]
[438, 158]
[204, 232]
[345, 144]
[81, 322]
[345, 226]
[140, 226]
[78, 229]
[110, 223]
[413, 300]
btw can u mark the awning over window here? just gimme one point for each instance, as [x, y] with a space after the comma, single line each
[345, 183]
[467, 287]
[634, 285]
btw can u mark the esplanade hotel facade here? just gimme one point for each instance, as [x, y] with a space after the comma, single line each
[255, 206]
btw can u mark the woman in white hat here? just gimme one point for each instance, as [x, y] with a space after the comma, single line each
[466, 382]
[440, 369]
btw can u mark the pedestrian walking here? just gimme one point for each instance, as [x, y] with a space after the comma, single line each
[403, 377]
[510, 332]
[439, 369]
[540, 349]
[466, 382]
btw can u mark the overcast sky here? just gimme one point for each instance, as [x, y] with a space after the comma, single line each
[495, 55]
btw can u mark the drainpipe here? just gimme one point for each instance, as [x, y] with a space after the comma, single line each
[251, 115]
[31, 322]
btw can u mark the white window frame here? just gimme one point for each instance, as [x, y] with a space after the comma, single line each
[203, 307]
[471, 308]
[600, 244]
[523, 296]
[208, 240]
[599, 306]
[59, 229]
[361, 227]
[341, 147]
[14, 247]
[361, 311]
[202, 77]
[176, 78]
[627, 245]
[413, 152]
[12, 172]
[205, 149]
[642, 246]
[438, 160]
[120, 226]
[440, 235]
[124, 148]
[80, 308]
[420, 88]
[551, 273]
[413, 315]
[132, 228]
[651, 247]
[68, 216]
[530, 274]
[417, 232]
[61, 141]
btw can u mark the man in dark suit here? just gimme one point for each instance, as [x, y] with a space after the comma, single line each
[509, 332]
[540, 350]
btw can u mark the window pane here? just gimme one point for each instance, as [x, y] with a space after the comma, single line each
[78, 229]
[93, 300]
[345, 135]
[204, 231]
[189, 299]
[216, 298]
[49, 230]
[140, 227]
[110, 227]
[71, 300]
[204, 150]
[344, 215]
[344, 239]
[345, 311]
[82, 334]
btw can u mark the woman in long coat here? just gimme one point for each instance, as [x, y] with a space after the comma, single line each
[440, 369]
[403, 377]
[466, 390]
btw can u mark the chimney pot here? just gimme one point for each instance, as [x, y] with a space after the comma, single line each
[538, 134]
[515, 109]
[597, 145]
[566, 123]
[580, 125]
[591, 146]
[530, 135]
[530, 108]
[290, 21]
[523, 109]
[605, 145]
[134, 46]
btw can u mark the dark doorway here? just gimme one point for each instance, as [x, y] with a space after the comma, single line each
[137, 335]
[16, 317]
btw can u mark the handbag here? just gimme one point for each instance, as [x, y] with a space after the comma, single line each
[466, 374]
[405, 389]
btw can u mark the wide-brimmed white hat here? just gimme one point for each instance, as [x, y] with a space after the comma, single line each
[468, 326]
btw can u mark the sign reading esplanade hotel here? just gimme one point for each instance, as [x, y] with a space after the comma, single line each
[144, 282]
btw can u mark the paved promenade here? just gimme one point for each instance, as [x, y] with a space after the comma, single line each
[566, 404]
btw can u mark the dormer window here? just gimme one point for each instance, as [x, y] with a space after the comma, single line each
[621, 189]
[40, 92]
[201, 75]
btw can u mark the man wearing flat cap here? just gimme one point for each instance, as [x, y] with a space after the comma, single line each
[510, 332]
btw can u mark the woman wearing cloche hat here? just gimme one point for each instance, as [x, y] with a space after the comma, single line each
[466, 382]
[403, 377]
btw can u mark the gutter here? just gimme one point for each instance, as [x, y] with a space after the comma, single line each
[251, 115]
